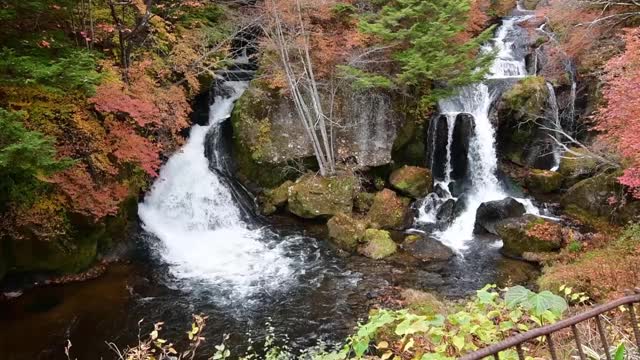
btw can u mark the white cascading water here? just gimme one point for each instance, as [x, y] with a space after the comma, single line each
[554, 120]
[476, 100]
[199, 226]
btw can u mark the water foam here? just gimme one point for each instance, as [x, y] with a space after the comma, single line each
[198, 224]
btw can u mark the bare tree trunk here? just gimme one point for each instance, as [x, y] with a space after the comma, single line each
[306, 97]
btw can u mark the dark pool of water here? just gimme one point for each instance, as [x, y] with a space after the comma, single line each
[327, 298]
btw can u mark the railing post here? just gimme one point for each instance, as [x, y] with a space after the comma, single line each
[603, 336]
[576, 336]
[634, 325]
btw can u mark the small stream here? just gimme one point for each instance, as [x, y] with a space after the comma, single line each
[199, 251]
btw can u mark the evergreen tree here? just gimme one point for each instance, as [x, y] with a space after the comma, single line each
[431, 45]
[26, 158]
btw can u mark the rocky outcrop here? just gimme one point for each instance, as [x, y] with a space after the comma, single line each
[412, 181]
[529, 234]
[313, 196]
[577, 165]
[454, 135]
[460, 140]
[377, 244]
[389, 211]
[492, 212]
[426, 249]
[600, 199]
[517, 115]
[268, 134]
[346, 231]
[544, 181]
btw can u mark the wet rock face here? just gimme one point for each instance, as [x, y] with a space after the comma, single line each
[412, 181]
[492, 212]
[389, 211]
[276, 198]
[426, 249]
[462, 133]
[377, 244]
[437, 140]
[446, 210]
[529, 234]
[314, 196]
[576, 166]
[439, 143]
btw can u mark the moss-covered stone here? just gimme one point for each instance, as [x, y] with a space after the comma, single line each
[363, 201]
[412, 181]
[409, 145]
[377, 244]
[544, 181]
[576, 165]
[313, 196]
[529, 233]
[596, 200]
[530, 4]
[519, 138]
[56, 256]
[389, 211]
[346, 231]
[422, 303]
[275, 198]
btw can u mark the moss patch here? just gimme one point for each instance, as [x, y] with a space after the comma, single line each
[544, 181]
[314, 196]
[377, 244]
[346, 231]
[412, 181]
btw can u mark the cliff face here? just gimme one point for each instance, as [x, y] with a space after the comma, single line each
[268, 133]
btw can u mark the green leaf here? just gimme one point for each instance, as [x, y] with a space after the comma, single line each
[516, 296]
[458, 342]
[620, 352]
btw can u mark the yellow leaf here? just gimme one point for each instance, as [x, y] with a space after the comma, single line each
[154, 334]
[382, 345]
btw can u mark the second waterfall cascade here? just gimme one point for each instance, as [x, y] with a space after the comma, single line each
[475, 100]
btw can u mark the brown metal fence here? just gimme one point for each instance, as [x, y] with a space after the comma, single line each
[595, 313]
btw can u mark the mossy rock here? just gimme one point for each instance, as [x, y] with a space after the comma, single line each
[590, 201]
[363, 201]
[422, 303]
[576, 165]
[412, 181]
[377, 244]
[29, 255]
[529, 233]
[346, 231]
[544, 181]
[313, 196]
[275, 198]
[389, 211]
[530, 4]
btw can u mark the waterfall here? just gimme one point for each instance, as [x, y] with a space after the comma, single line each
[476, 100]
[554, 122]
[198, 225]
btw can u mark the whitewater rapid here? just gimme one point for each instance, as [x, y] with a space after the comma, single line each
[198, 225]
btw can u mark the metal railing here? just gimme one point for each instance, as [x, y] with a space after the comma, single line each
[517, 341]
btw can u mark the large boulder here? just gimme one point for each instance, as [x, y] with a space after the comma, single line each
[377, 244]
[529, 234]
[517, 114]
[600, 199]
[543, 181]
[389, 211]
[313, 196]
[346, 231]
[426, 249]
[275, 198]
[491, 212]
[576, 165]
[412, 181]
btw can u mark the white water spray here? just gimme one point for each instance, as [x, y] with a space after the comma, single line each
[198, 224]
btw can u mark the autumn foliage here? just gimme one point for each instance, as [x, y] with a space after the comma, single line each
[619, 118]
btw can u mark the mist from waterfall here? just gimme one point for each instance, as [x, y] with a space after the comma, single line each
[198, 224]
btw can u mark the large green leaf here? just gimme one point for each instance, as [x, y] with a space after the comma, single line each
[517, 295]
